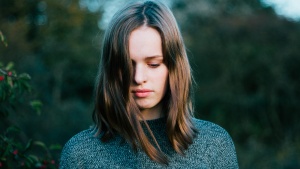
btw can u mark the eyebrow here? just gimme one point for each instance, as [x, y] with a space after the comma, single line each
[154, 57]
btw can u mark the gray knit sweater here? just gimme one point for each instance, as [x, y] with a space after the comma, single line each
[212, 148]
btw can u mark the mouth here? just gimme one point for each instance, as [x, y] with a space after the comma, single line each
[141, 93]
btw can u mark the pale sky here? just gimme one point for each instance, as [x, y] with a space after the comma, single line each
[287, 8]
[109, 9]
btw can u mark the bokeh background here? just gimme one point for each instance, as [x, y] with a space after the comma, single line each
[244, 56]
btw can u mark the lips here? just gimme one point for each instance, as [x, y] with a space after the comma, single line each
[141, 93]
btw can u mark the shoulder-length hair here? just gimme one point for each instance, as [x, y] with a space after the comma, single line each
[115, 109]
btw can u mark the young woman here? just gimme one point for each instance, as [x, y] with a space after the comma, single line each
[143, 111]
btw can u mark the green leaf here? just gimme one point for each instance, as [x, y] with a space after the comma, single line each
[28, 145]
[9, 81]
[9, 66]
[39, 143]
[36, 105]
[55, 147]
[33, 158]
[38, 165]
[3, 39]
[24, 76]
[7, 150]
[12, 129]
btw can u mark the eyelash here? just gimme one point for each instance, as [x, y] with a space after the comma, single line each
[154, 65]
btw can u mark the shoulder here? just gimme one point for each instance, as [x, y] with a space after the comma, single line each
[211, 133]
[206, 128]
[79, 141]
[216, 144]
[77, 147]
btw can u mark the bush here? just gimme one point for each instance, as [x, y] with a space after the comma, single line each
[16, 151]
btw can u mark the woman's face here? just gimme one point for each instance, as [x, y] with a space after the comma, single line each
[150, 78]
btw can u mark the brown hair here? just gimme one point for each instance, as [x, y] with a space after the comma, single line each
[115, 110]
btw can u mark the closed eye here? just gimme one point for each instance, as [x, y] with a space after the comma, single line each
[153, 65]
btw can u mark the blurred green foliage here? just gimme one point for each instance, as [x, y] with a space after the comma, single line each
[15, 150]
[245, 61]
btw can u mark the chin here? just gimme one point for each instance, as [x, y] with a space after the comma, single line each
[144, 107]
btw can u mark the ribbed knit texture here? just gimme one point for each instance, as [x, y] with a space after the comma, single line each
[212, 148]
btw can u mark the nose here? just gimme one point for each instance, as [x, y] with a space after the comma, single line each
[140, 75]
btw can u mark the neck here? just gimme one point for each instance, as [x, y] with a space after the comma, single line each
[153, 113]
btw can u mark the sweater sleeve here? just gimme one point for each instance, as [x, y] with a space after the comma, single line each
[74, 152]
[217, 145]
[70, 158]
[225, 154]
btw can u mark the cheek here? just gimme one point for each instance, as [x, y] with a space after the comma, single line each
[160, 79]
[164, 80]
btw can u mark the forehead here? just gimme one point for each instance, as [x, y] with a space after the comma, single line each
[145, 42]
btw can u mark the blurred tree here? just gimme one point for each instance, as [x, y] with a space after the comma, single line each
[15, 148]
[244, 59]
[67, 47]
[56, 42]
